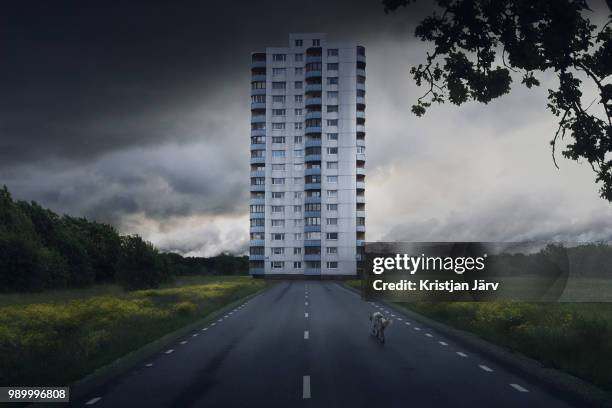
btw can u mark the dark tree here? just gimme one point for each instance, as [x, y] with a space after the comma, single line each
[477, 43]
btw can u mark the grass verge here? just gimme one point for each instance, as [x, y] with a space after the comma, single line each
[572, 337]
[56, 343]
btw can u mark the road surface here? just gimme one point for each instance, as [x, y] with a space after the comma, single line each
[306, 344]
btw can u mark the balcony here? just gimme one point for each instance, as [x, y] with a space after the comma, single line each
[313, 115]
[258, 132]
[258, 105]
[360, 242]
[258, 187]
[312, 200]
[360, 199]
[256, 242]
[312, 186]
[313, 74]
[361, 86]
[312, 271]
[312, 228]
[258, 64]
[310, 88]
[312, 101]
[312, 129]
[360, 184]
[361, 99]
[312, 158]
[258, 146]
[360, 214]
[256, 201]
[314, 171]
[258, 160]
[312, 257]
[361, 171]
[361, 72]
[260, 91]
[258, 118]
[258, 173]
[361, 228]
[360, 114]
[259, 228]
[260, 77]
[308, 214]
[313, 58]
[312, 242]
[256, 271]
[312, 143]
[361, 156]
[361, 58]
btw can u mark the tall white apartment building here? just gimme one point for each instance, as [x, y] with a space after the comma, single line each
[307, 203]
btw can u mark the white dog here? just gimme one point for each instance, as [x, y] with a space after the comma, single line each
[379, 324]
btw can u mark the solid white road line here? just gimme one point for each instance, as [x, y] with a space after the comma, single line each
[306, 315]
[306, 387]
[93, 401]
[428, 334]
[519, 388]
[169, 351]
[485, 368]
[184, 342]
[306, 335]
[443, 343]
[461, 354]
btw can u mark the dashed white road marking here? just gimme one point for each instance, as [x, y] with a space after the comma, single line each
[306, 303]
[428, 334]
[306, 387]
[519, 388]
[205, 328]
[194, 335]
[408, 323]
[220, 320]
[306, 315]
[184, 342]
[306, 335]
[417, 328]
[461, 354]
[399, 318]
[485, 368]
[94, 400]
[149, 365]
[443, 343]
[213, 323]
[169, 351]
[226, 316]
[392, 315]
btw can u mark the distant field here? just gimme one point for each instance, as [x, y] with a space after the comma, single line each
[55, 338]
[573, 337]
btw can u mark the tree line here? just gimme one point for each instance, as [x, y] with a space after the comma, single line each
[42, 250]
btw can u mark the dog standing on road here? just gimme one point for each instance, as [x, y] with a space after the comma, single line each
[379, 324]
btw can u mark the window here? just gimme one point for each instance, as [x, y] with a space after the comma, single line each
[278, 180]
[332, 193]
[361, 93]
[332, 136]
[278, 139]
[298, 85]
[299, 98]
[278, 194]
[332, 265]
[298, 112]
[332, 207]
[312, 235]
[278, 112]
[312, 207]
[279, 167]
[332, 165]
[298, 153]
[258, 181]
[258, 139]
[278, 126]
[257, 208]
[298, 125]
[258, 126]
[297, 140]
[278, 71]
[258, 153]
[332, 81]
[332, 250]
[299, 71]
[312, 221]
[257, 222]
[332, 221]
[297, 222]
[278, 223]
[278, 251]
[332, 94]
[297, 208]
[332, 179]
[278, 85]
[299, 43]
[297, 236]
[278, 264]
[360, 79]
[332, 108]
[297, 265]
[332, 66]
[331, 236]
[278, 153]
[297, 194]
[258, 99]
[332, 52]
[278, 208]
[316, 43]
[360, 221]
[297, 251]
[330, 150]
[257, 235]
[360, 149]
[277, 237]
[279, 57]
[299, 57]
[278, 98]
[332, 122]
[258, 85]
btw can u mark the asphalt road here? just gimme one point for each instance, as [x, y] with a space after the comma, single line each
[307, 344]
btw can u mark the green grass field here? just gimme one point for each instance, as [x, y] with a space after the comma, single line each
[55, 338]
[573, 337]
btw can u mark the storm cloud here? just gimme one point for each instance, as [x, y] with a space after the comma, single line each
[137, 114]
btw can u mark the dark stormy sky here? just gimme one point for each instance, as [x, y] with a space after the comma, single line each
[137, 114]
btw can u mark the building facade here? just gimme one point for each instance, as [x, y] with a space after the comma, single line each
[307, 190]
